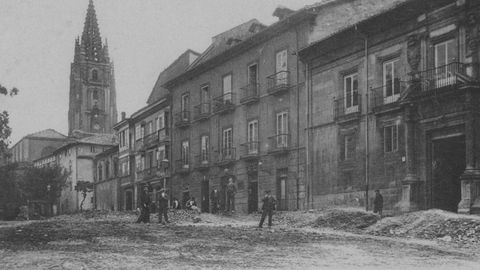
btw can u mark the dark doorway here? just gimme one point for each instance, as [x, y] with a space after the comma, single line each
[128, 200]
[223, 192]
[282, 176]
[448, 164]
[252, 196]
[185, 198]
[205, 196]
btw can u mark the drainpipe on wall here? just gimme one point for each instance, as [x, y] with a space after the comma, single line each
[367, 156]
[298, 119]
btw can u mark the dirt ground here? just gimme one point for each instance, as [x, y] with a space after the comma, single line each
[114, 241]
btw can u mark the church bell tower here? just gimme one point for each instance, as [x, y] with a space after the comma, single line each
[92, 107]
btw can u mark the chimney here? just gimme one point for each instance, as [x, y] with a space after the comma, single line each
[123, 116]
[281, 12]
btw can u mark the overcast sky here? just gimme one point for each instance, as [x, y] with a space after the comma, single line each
[144, 37]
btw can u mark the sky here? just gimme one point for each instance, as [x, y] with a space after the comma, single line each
[144, 37]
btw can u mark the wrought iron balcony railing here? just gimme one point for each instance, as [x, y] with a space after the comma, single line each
[279, 143]
[250, 150]
[202, 160]
[202, 111]
[386, 94]
[227, 155]
[164, 135]
[182, 119]
[250, 93]
[439, 77]
[278, 82]
[224, 103]
[182, 166]
[150, 140]
[349, 104]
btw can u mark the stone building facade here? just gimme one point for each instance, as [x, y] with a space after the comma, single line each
[92, 107]
[238, 112]
[393, 105]
[107, 194]
[36, 145]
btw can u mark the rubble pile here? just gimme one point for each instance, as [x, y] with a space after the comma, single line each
[431, 224]
[346, 219]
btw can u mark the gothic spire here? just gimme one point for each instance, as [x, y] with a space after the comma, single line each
[91, 40]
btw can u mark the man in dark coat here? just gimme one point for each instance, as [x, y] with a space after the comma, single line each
[215, 197]
[378, 203]
[163, 207]
[144, 206]
[267, 209]
[231, 190]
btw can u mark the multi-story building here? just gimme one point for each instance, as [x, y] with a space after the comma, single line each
[238, 112]
[393, 100]
[36, 145]
[107, 195]
[77, 158]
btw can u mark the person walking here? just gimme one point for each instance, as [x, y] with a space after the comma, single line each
[378, 203]
[231, 190]
[144, 206]
[163, 207]
[267, 209]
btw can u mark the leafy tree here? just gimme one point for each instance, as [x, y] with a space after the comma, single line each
[84, 187]
[11, 195]
[44, 183]
[5, 129]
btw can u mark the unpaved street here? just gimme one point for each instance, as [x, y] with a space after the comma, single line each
[115, 242]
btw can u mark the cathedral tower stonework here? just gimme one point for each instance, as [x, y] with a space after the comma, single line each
[92, 107]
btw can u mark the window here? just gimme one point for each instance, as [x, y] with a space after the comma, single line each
[227, 88]
[348, 147]
[350, 93]
[252, 75]
[92, 149]
[161, 154]
[100, 172]
[139, 163]
[390, 137]
[281, 67]
[185, 102]
[149, 159]
[445, 54]
[282, 129]
[252, 137]
[204, 94]
[185, 153]
[94, 75]
[391, 81]
[204, 147]
[150, 127]
[138, 132]
[95, 94]
[227, 143]
[107, 169]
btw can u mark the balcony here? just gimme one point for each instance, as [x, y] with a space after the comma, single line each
[202, 161]
[279, 82]
[182, 119]
[151, 140]
[386, 97]
[250, 93]
[447, 76]
[250, 150]
[164, 135]
[227, 156]
[279, 144]
[139, 146]
[202, 112]
[182, 166]
[149, 173]
[224, 103]
[347, 108]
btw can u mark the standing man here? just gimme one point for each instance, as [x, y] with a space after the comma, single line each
[163, 207]
[144, 206]
[214, 197]
[378, 203]
[231, 190]
[267, 209]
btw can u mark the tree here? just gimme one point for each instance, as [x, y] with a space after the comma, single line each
[84, 187]
[5, 129]
[44, 183]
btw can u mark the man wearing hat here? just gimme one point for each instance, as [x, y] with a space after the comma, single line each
[144, 206]
[267, 208]
[163, 207]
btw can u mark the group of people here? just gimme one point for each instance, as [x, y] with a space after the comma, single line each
[146, 202]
